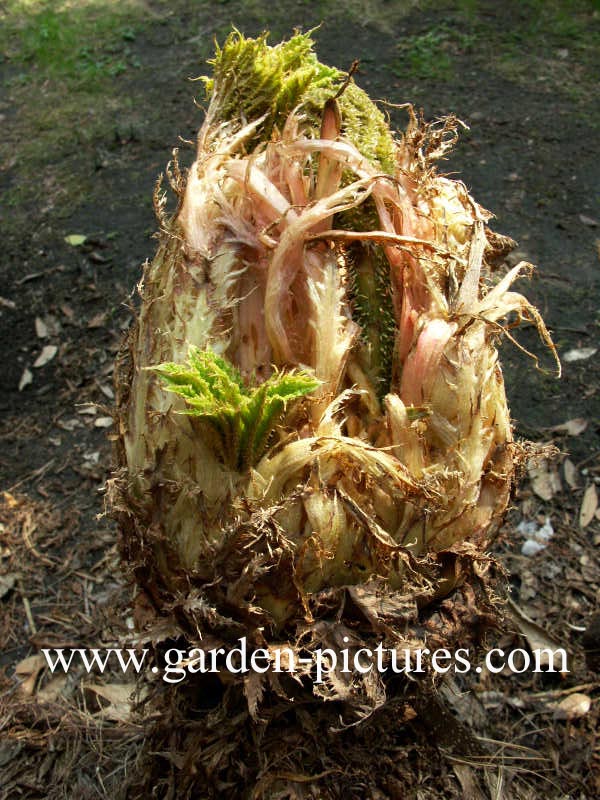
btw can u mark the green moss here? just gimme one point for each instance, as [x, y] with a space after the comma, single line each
[366, 127]
[252, 79]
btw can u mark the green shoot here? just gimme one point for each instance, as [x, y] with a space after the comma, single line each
[237, 420]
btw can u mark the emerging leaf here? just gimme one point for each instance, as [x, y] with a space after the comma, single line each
[240, 418]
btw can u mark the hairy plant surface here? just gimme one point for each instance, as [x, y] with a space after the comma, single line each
[313, 423]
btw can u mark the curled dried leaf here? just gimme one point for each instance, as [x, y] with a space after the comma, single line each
[589, 504]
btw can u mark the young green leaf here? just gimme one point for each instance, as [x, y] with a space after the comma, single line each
[75, 239]
[236, 420]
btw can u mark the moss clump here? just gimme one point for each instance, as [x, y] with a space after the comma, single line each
[251, 79]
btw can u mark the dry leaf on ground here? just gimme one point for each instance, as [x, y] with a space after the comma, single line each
[571, 473]
[98, 320]
[26, 379]
[589, 504]
[28, 670]
[52, 690]
[573, 706]
[545, 482]
[572, 427]
[41, 329]
[579, 354]
[47, 354]
[536, 637]
[7, 583]
[118, 696]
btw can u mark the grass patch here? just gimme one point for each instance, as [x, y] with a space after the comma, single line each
[552, 45]
[280, 19]
[81, 42]
[69, 57]
[432, 55]
[558, 41]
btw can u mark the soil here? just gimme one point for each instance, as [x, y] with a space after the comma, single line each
[524, 85]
